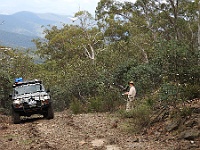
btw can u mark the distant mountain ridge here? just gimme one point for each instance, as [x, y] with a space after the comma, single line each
[26, 25]
[16, 40]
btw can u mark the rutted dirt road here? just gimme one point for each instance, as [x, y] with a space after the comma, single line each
[98, 131]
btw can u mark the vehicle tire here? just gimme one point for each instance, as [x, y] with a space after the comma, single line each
[16, 117]
[50, 112]
[45, 114]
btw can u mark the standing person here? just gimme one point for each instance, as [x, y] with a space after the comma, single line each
[131, 96]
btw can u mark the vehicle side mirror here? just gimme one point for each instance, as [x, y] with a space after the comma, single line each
[48, 90]
[10, 95]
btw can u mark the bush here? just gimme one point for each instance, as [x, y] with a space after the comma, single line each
[191, 91]
[77, 107]
[5, 88]
[151, 100]
[140, 115]
[185, 111]
[170, 94]
[95, 105]
[146, 78]
[109, 101]
[5, 111]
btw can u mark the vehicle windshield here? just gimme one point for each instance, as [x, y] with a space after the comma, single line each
[29, 88]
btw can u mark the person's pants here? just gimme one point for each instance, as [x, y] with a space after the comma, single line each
[129, 105]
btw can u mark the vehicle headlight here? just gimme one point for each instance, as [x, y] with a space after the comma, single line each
[45, 102]
[17, 103]
[45, 99]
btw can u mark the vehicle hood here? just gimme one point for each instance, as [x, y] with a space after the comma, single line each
[31, 95]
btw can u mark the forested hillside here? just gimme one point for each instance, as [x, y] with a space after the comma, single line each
[156, 44]
[17, 30]
[16, 40]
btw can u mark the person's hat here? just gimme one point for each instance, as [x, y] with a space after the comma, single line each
[131, 82]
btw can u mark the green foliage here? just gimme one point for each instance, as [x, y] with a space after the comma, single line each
[95, 105]
[104, 101]
[14, 63]
[140, 116]
[182, 112]
[111, 100]
[5, 86]
[109, 14]
[147, 42]
[191, 91]
[176, 61]
[185, 112]
[179, 70]
[61, 97]
[76, 106]
[169, 94]
[146, 78]
[151, 100]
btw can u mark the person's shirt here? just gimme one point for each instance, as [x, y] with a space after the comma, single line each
[132, 92]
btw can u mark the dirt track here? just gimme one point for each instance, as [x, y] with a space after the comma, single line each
[66, 131]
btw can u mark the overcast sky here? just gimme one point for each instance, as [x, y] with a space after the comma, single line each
[65, 7]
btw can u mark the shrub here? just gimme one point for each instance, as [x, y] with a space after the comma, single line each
[191, 91]
[111, 101]
[146, 78]
[151, 100]
[185, 111]
[61, 97]
[140, 115]
[76, 106]
[95, 105]
[105, 102]
[170, 93]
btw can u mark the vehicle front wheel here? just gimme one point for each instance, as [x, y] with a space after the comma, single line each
[50, 112]
[16, 117]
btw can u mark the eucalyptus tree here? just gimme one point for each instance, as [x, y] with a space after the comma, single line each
[5, 86]
[79, 40]
[91, 35]
[4, 76]
[145, 22]
[123, 25]
[155, 30]
[13, 64]
[70, 54]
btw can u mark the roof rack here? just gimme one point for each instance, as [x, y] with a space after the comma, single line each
[19, 81]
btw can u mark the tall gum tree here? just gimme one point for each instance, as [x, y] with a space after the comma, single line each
[81, 39]
[92, 37]
[146, 22]
[122, 22]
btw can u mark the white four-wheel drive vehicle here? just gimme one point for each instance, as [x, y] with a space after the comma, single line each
[30, 97]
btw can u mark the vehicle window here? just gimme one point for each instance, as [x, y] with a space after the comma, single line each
[30, 88]
[19, 90]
